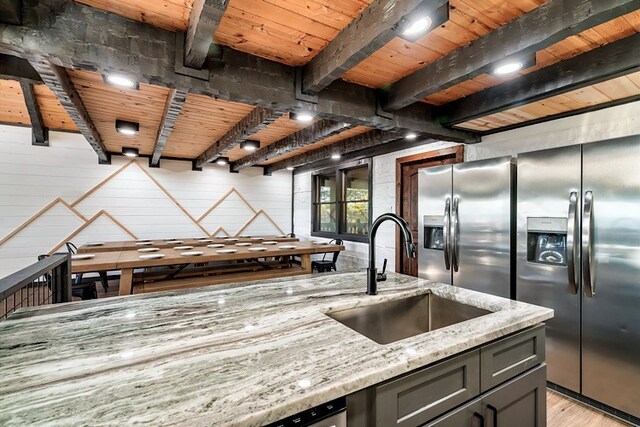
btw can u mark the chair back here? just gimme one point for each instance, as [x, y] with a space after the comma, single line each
[71, 247]
[335, 254]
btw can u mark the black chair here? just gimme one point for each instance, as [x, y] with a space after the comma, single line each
[86, 283]
[325, 265]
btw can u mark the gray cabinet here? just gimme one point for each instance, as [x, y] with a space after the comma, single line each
[469, 415]
[421, 396]
[502, 383]
[520, 402]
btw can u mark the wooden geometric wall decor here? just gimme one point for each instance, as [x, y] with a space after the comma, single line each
[255, 217]
[93, 219]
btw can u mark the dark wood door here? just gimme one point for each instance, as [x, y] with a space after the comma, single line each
[407, 194]
[410, 213]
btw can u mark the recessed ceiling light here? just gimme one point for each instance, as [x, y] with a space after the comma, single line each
[508, 68]
[127, 128]
[304, 117]
[411, 136]
[121, 81]
[418, 26]
[130, 151]
[222, 161]
[250, 145]
[335, 156]
[290, 168]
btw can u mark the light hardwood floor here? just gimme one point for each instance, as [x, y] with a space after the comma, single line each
[565, 412]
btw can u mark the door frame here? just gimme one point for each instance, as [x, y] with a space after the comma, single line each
[455, 153]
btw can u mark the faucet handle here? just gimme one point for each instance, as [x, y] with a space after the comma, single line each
[381, 276]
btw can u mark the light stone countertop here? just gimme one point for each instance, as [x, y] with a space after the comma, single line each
[237, 355]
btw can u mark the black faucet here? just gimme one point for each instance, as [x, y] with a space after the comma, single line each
[372, 273]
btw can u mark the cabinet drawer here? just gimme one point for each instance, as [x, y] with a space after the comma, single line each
[509, 357]
[423, 395]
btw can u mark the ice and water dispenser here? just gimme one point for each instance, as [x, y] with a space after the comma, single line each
[547, 240]
[433, 232]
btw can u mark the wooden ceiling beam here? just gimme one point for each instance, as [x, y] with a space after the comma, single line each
[542, 27]
[57, 79]
[175, 101]
[19, 69]
[85, 38]
[39, 132]
[604, 63]
[251, 124]
[377, 25]
[203, 21]
[304, 137]
[346, 146]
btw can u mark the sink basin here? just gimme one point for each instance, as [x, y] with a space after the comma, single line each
[395, 320]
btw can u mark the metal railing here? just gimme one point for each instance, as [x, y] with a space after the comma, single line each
[47, 281]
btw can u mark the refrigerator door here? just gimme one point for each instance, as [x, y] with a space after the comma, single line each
[481, 210]
[548, 273]
[611, 273]
[434, 205]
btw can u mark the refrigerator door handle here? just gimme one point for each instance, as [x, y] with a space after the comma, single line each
[572, 247]
[445, 234]
[454, 233]
[587, 246]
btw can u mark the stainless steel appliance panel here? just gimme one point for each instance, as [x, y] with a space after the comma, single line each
[548, 194]
[611, 273]
[481, 209]
[434, 204]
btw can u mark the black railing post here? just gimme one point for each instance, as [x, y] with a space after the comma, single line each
[65, 282]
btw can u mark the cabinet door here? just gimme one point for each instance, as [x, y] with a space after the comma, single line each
[416, 398]
[470, 415]
[520, 402]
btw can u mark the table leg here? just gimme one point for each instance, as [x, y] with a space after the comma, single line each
[305, 263]
[126, 281]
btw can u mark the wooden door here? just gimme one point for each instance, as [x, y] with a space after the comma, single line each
[410, 213]
[407, 196]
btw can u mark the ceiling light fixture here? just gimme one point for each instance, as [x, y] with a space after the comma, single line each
[121, 81]
[304, 116]
[411, 136]
[127, 128]
[418, 26]
[130, 151]
[508, 68]
[335, 156]
[250, 145]
[222, 161]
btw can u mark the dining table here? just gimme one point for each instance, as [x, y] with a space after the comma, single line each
[122, 245]
[161, 268]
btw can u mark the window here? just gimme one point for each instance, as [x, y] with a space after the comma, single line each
[341, 206]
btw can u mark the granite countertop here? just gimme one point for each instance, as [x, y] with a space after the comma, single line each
[238, 355]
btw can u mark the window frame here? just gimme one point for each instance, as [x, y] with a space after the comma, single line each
[339, 172]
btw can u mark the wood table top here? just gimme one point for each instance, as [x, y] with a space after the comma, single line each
[169, 243]
[102, 261]
[116, 260]
[131, 259]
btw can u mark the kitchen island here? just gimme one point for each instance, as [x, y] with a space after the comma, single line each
[239, 355]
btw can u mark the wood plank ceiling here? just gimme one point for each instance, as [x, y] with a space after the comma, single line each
[293, 32]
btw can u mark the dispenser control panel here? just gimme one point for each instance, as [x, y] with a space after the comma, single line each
[547, 240]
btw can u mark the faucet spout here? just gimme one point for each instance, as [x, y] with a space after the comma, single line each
[410, 247]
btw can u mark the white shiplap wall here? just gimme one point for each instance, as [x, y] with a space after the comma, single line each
[31, 177]
[609, 123]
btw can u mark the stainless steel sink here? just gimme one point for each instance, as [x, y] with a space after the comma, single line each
[395, 320]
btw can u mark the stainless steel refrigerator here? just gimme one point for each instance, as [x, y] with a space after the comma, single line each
[465, 232]
[578, 252]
